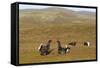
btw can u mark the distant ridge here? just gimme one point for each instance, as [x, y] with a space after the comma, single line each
[86, 13]
[56, 15]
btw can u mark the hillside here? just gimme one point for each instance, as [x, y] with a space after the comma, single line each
[54, 15]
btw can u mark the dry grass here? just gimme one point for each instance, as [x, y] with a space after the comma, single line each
[31, 35]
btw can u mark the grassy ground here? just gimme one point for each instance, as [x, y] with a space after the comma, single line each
[31, 35]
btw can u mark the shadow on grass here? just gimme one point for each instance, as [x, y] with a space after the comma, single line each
[50, 51]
